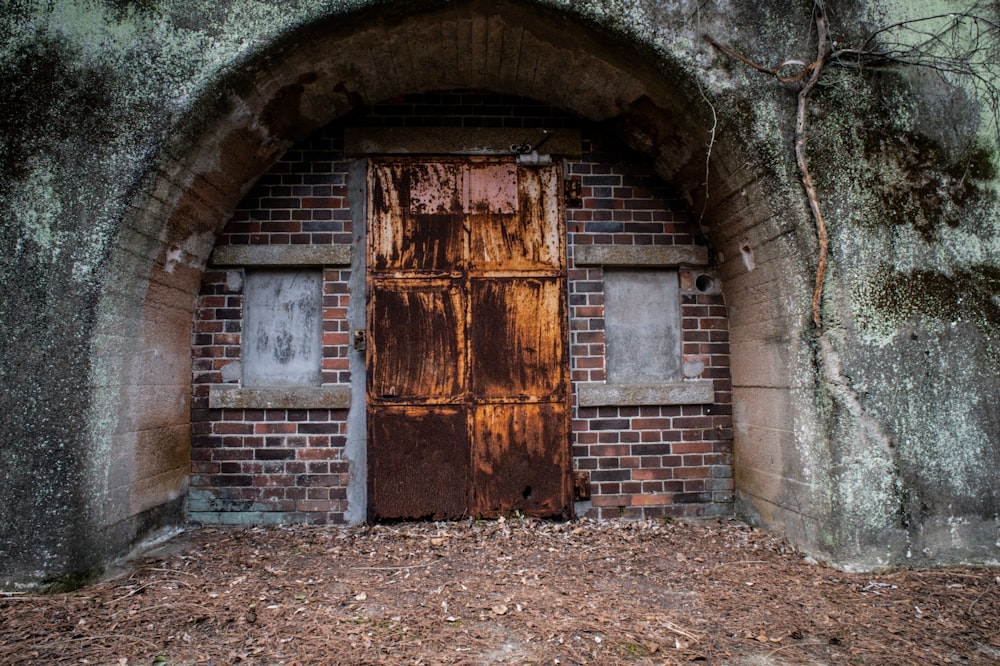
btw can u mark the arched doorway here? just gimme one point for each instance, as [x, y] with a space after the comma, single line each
[328, 70]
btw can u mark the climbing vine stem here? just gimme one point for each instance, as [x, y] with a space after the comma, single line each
[809, 73]
[822, 51]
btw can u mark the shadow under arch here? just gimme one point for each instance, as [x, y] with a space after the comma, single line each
[139, 428]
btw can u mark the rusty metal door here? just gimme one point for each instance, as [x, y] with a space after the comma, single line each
[468, 374]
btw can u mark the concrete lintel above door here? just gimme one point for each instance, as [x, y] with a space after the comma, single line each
[359, 141]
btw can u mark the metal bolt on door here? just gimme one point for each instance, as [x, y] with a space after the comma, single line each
[468, 374]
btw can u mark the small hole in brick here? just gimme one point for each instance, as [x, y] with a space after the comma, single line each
[527, 492]
[704, 283]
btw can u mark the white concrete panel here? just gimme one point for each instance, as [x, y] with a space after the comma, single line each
[283, 336]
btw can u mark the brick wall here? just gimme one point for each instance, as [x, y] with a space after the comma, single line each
[273, 465]
[287, 465]
[645, 461]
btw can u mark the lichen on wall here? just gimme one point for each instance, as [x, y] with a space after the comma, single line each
[910, 198]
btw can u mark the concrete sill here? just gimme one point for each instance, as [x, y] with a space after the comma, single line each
[282, 255]
[279, 397]
[595, 394]
[644, 256]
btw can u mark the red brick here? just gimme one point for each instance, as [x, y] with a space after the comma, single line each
[273, 480]
[318, 505]
[610, 500]
[603, 450]
[650, 474]
[691, 447]
[699, 422]
[651, 423]
[274, 428]
[651, 499]
[690, 472]
[232, 428]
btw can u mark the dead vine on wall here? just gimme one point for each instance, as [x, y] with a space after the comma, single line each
[962, 47]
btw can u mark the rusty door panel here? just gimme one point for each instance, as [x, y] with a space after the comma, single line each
[418, 463]
[519, 461]
[423, 234]
[435, 187]
[540, 192]
[493, 188]
[532, 240]
[421, 356]
[426, 243]
[467, 353]
[515, 338]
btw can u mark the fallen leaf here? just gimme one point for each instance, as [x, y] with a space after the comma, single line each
[361, 597]
[500, 609]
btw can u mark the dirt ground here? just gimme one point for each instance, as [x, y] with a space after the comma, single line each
[503, 592]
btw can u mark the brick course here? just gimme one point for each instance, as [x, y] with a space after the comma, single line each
[267, 466]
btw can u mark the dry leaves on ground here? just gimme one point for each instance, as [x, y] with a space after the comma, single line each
[503, 592]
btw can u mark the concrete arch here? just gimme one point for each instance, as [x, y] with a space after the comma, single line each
[139, 423]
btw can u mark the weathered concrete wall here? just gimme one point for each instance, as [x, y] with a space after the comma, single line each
[130, 130]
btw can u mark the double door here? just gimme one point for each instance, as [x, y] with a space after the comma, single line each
[468, 376]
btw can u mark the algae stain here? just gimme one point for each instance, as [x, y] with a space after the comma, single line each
[969, 295]
[923, 187]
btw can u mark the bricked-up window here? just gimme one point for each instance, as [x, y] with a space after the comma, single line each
[642, 314]
[283, 328]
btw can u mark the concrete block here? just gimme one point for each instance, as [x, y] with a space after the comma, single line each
[280, 397]
[282, 255]
[594, 394]
[651, 256]
[282, 340]
[643, 326]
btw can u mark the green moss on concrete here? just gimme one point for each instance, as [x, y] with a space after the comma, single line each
[70, 583]
[923, 186]
[48, 95]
